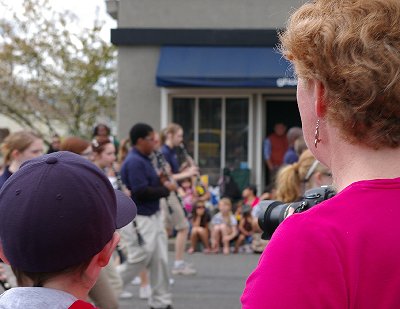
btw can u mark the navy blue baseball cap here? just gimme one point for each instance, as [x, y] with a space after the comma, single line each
[57, 211]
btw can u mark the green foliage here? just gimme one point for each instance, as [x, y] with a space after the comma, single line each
[52, 77]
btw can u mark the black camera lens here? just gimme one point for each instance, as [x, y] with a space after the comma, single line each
[272, 213]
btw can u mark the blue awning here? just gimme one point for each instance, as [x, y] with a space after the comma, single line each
[245, 67]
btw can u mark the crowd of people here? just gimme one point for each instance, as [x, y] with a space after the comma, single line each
[171, 201]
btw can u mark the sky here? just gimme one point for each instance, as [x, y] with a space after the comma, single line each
[86, 12]
[84, 9]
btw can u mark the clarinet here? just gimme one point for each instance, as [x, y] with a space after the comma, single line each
[162, 165]
[119, 187]
[198, 185]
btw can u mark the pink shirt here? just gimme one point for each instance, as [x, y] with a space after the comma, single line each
[342, 253]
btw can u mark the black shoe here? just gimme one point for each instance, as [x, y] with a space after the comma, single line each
[168, 307]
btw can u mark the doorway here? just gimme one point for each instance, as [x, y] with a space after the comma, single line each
[283, 110]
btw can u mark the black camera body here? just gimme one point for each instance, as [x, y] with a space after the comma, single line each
[272, 213]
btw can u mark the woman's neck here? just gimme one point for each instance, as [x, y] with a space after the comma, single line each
[100, 166]
[169, 143]
[14, 166]
[354, 163]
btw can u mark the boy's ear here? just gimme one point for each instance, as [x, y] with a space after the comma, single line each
[105, 254]
[2, 256]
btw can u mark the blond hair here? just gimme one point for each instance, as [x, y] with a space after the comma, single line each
[226, 201]
[20, 141]
[172, 129]
[291, 179]
[226, 217]
[353, 48]
[123, 151]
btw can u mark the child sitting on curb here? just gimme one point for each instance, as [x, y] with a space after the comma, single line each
[200, 229]
[224, 227]
[245, 229]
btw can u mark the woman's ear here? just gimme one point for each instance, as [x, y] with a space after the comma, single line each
[320, 103]
[14, 154]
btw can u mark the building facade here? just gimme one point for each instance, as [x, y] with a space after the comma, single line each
[211, 66]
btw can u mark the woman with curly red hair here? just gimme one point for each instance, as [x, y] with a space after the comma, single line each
[344, 252]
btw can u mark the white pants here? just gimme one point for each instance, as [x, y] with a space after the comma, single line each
[172, 213]
[102, 293]
[153, 255]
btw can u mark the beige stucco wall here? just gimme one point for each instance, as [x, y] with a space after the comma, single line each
[138, 96]
[205, 13]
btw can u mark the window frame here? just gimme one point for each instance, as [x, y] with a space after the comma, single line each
[167, 116]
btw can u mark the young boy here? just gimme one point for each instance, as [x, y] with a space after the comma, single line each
[58, 216]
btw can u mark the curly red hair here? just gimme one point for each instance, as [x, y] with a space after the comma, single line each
[353, 48]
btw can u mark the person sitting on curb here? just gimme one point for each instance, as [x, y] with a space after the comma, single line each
[58, 221]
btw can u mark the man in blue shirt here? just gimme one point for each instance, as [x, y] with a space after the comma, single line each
[146, 188]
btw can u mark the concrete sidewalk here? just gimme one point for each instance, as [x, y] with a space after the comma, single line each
[218, 284]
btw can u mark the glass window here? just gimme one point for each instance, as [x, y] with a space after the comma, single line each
[209, 132]
[183, 114]
[210, 137]
[237, 122]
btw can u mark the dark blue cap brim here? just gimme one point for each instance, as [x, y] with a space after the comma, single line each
[126, 209]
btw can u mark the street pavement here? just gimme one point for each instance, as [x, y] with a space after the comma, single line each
[218, 284]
